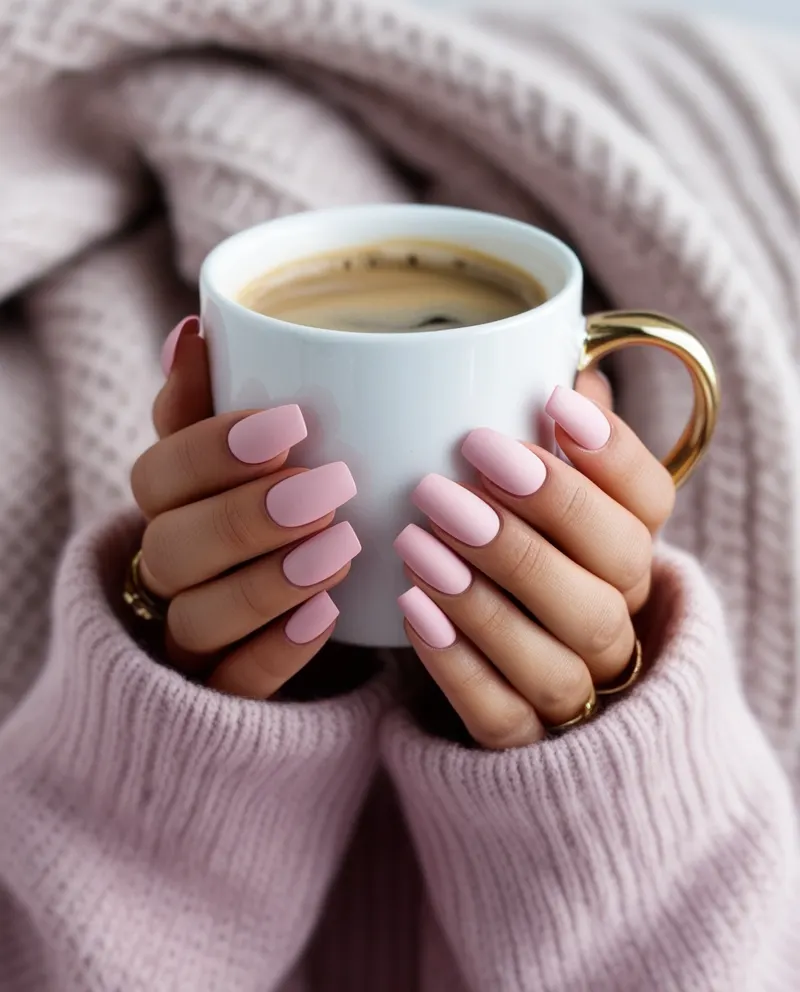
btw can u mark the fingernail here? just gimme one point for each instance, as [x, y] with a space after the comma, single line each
[306, 497]
[427, 619]
[321, 556]
[311, 619]
[264, 435]
[585, 423]
[504, 461]
[457, 510]
[189, 325]
[433, 561]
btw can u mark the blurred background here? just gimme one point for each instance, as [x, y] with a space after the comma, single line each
[762, 11]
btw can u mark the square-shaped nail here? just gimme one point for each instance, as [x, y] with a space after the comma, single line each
[461, 513]
[433, 561]
[322, 555]
[583, 420]
[303, 498]
[264, 435]
[505, 462]
[427, 619]
[311, 619]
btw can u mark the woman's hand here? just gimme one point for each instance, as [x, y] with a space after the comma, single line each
[523, 599]
[241, 547]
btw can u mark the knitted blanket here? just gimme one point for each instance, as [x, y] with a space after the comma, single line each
[135, 134]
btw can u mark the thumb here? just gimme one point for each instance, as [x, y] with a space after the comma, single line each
[185, 397]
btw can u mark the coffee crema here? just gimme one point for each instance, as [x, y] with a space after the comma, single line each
[394, 287]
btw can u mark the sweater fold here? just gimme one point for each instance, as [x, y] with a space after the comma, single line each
[635, 852]
[144, 815]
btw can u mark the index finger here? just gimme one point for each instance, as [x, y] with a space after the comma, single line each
[215, 455]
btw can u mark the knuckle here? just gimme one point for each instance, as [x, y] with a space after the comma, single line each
[158, 554]
[608, 626]
[489, 617]
[478, 677]
[528, 562]
[253, 595]
[230, 524]
[573, 511]
[183, 626]
[651, 481]
[188, 461]
[507, 726]
[637, 596]
[564, 690]
[635, 558]
[273, 666]
[661, 500]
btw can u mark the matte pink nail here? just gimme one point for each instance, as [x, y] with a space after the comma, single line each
[433, 561]
[504, 461]
[457, 510]
[427, 619]
[321, 556]
[310, 620]
[306, 497]
[189, 325]
[585, 423]
[264, 435]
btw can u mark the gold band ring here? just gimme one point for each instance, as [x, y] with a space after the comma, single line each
[589, 708]
[586, 713]
[629, 676]
[144, 605]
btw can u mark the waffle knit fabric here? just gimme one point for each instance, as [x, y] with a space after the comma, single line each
[157, 836]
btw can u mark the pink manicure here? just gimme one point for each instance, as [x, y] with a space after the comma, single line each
[585, 423]
[427, 619]
[312, 619]
[306, 497]
[264, 435]
[457, 510]
[321, 556]
[504, 461]
[189, 325]
[433, 561]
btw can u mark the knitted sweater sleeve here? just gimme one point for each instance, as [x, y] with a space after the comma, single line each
[655, 848]
[140, 815]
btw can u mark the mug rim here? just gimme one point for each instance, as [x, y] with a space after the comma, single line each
[571, 265]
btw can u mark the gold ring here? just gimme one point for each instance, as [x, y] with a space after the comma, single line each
[144, 604]
[629, 676]
[586, 713]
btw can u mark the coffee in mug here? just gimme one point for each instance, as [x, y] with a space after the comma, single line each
[394, 363]
[394, 287]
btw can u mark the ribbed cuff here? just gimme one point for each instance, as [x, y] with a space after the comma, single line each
[654, 837]
[113, 759]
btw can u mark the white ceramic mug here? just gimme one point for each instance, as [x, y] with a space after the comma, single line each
[395, 407]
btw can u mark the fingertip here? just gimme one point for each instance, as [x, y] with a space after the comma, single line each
[580, 417]
[310, 621]
[596, 386]
[267, 434]
[426, 619]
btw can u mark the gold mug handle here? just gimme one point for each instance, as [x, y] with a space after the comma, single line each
[613, 330]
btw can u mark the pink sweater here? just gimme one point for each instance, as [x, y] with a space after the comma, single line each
[155, 836]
